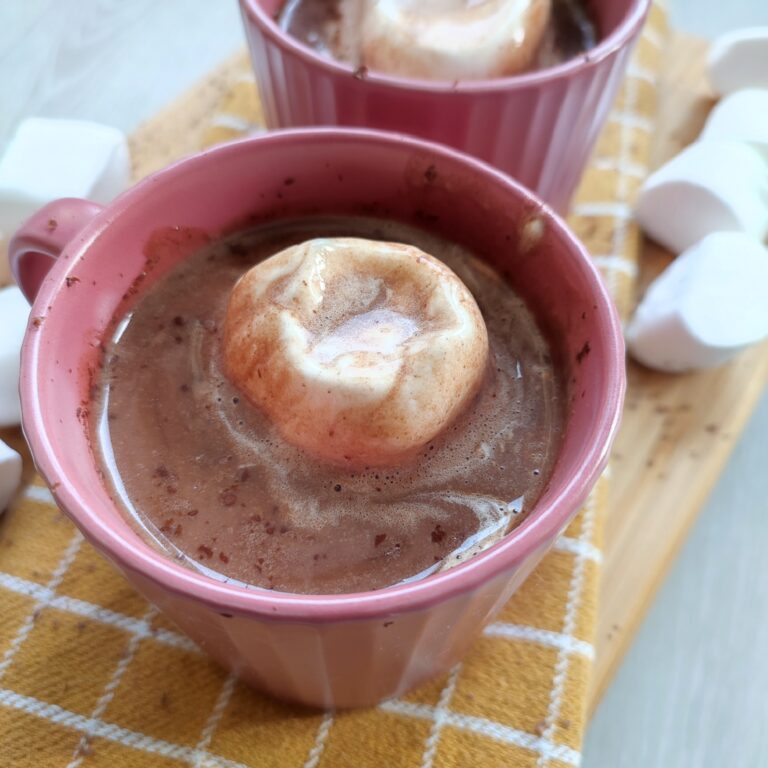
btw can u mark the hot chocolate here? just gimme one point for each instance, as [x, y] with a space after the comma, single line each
[443, 39]
[209, 478]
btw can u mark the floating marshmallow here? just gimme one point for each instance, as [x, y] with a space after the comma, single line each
[10, 474]
[49, 158]
[739, 59]
[358, 351]
[708, 305]
[711, 186]
[452, 41]
[741, 116]
[14, 313]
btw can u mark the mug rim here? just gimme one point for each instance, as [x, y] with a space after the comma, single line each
[543, 524]
[606, 47]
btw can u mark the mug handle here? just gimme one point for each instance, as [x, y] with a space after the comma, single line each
[39, 241]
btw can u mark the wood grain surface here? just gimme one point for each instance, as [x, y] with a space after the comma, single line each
[678, 431]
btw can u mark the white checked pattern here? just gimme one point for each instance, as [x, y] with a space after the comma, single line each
[439, 717]
[110, 688]
[569, 625]
[42, 600]
[565, 643]
[317, 748]
[629, 119]
[45, 596]
[620, 211]
[612, 164]
[213, 721]
[616, 263]
[489, 728]
[140, 629]
[636, 72]
[93, 727]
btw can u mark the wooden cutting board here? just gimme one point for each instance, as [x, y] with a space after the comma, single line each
[678, 431]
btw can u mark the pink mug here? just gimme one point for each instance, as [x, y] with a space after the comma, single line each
[539, 127]
[83, 265]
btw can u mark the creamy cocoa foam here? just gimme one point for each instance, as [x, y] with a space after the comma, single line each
[451, 40]
[208, 478]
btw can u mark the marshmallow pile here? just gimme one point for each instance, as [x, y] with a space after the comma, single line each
[452, 39]
[710, 204]
[358, 351]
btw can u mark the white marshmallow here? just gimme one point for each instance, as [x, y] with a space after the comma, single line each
[739, 59]
[452, 39]
[358, 351]
[14, 313]
[708, 305]
[48, 158]
[711, 186]
[10, 474]
[741, 116]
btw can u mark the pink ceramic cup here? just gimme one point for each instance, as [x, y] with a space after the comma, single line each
[340, 650]
[539, 127]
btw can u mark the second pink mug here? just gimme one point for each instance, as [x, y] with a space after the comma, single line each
[539, 127]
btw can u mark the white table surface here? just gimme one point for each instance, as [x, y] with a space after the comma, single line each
[693, 690]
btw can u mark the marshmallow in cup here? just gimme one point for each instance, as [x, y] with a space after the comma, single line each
[452, 39]
[358, 351]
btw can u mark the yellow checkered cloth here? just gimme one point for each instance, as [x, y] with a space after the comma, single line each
[91, 675]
